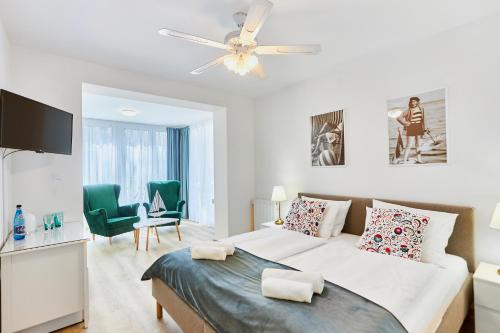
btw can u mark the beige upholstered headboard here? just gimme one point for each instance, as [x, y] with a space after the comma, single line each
[461, 242]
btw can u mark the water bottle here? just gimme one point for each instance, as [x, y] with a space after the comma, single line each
[19, 224]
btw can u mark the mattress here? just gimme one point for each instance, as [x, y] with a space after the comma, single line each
[418, 294]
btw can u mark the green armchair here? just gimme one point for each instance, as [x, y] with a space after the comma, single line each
[103, 214]
[169, 192]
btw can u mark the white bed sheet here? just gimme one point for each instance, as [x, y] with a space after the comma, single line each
[437, 297]
[275, 244]
[418, 294]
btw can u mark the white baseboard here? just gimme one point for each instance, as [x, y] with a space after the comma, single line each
[56, 324]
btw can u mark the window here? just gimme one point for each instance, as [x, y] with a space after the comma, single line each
[201, 172]
[131, 155]
[126, 154]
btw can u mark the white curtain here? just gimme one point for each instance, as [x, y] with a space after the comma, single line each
[201, 172]
[126, 154]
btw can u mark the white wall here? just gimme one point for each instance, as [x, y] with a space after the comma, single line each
[465, 60]
[4, 57]
[4, 84]
[57, 179]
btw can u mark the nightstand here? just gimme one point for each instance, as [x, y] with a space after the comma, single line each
[487, 298]
[270, 224]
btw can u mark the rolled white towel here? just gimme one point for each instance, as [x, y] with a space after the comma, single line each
[287, 289]
[316, 279]
[229, 247]
[207, 252]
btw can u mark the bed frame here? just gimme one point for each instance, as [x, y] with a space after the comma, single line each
[461, 243]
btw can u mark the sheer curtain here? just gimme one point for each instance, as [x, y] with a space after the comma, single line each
[201, 172]
[126, 154]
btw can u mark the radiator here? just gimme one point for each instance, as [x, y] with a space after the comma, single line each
[264, 210]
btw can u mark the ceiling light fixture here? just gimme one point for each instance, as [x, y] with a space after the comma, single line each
[128, 112]
[241, 63]
[242, 44]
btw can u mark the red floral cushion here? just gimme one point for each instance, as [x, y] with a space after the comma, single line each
[305, 216]
[394, 232]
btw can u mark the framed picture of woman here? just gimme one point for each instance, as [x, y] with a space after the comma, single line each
[417, 129]
[327, 139]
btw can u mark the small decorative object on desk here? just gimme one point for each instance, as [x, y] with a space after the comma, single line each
[19, 224]
[157, 207]
[58, 219]
[48, 221]
[53, 220]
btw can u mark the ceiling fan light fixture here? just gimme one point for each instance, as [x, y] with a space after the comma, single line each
[252, 61]
[241, 63]
[242, 44]
[230, 62]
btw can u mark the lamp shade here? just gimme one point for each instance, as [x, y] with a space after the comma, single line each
[278, 194]
[495, 219]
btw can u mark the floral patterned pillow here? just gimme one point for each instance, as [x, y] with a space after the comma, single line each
[305, 216]
[394, 232]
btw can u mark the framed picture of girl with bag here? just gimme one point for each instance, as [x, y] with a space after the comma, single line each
[417, 129]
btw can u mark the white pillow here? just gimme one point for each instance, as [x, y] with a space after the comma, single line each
[437, 234]
[334, 218]
[340, 218]
[368, 219]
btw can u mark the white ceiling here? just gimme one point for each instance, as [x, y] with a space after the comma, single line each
[105, 104]
[122, 33]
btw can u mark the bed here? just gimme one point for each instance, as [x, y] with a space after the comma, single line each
[442, 308]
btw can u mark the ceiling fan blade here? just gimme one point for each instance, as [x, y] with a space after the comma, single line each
[258, 70]
[288, 49]
[256, 16]
[192, 38]
[202, 69]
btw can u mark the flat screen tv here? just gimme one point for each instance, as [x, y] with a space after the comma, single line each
[29, 125]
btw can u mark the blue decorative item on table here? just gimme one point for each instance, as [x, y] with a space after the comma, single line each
[19, 224]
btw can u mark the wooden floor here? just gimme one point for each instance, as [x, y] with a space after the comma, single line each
[119, 300]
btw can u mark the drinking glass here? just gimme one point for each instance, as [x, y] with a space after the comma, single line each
[58, 219]
[48, 221]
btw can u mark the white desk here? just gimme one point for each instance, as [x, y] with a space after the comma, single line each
[44, 280]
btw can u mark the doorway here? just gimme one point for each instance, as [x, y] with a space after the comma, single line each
[131, 139]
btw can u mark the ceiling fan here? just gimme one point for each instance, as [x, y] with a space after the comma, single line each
[242, 44]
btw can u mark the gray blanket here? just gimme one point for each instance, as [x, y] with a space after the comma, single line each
[227, 294]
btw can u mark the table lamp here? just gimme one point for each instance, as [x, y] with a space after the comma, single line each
[278, 196]
[495, 222]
